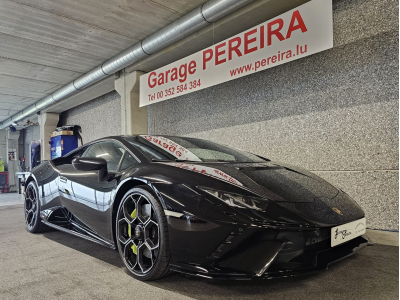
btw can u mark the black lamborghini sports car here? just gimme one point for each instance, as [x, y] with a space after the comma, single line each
[182, 204]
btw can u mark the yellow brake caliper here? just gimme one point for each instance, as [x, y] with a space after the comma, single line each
[134, 248]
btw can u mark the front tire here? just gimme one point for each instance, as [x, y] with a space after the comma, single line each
[142, 234]
[32, 209]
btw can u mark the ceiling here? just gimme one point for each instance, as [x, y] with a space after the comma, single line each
[46, 44]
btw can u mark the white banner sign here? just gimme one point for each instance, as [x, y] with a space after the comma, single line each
[300, 32]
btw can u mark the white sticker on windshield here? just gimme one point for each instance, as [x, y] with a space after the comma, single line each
[178, 151]
[208, 171]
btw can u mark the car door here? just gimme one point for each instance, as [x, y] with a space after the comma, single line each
[91, 197]
[66, 170]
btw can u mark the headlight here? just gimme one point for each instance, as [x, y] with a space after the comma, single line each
[237, 200]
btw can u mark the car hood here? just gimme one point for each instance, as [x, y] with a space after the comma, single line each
[276, 181]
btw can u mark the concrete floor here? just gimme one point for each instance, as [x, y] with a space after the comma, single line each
[384, 237]
[11, 199]
[55, 265]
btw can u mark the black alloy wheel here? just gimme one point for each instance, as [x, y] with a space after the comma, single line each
[32, 209]
[142, 235]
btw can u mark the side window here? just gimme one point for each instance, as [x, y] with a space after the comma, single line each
[128, 161]
[110, 151]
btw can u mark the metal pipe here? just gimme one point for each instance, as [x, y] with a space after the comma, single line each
[200, 17]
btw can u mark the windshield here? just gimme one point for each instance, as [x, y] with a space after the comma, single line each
[170, 148]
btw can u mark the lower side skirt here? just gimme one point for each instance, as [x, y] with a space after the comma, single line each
[81, 235]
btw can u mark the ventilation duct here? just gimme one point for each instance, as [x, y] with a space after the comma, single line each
[209, 12]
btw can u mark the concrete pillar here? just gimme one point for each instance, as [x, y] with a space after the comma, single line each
[3, 145]
[13, 165]
[133, 117]
[48, 123]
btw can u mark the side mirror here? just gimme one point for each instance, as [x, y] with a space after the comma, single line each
[91, 164]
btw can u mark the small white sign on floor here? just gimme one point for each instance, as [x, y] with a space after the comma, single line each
[302, 31]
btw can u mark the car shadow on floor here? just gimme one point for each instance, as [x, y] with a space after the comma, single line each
[357, 277]
[351, 278]
[372, 273]
[201, 288]
[105, 254]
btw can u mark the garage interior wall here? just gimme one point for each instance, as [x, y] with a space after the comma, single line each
[334, 113]
[32, 133]
[98, 118]
[3, 145]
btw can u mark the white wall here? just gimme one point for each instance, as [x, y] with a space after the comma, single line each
[98, 118]
[3, 149]
[32, 133]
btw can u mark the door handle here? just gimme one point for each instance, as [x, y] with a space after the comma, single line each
[63, 179]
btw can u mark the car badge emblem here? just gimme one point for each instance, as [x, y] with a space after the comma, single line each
[137, 232]
[336, 210]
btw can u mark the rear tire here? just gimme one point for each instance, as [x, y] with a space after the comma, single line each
[32, 209]
[142, 234]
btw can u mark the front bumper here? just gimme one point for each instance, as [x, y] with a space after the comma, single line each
[312, 259]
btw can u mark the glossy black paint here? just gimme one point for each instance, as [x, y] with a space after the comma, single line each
[208, 237]
[91, 164]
